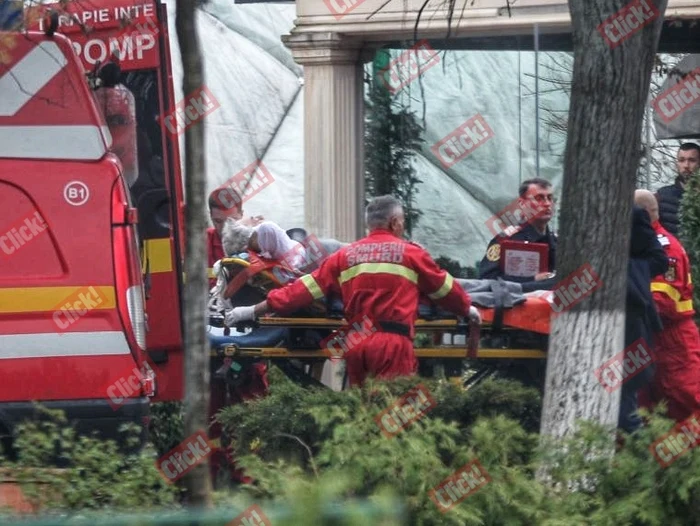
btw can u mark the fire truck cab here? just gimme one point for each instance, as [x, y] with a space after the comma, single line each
[90, 215]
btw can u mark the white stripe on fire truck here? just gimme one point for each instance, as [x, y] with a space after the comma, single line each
[29, 76]
[47, 345]
[78, 143]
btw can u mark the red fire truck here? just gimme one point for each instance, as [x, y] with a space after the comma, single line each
[91, 215]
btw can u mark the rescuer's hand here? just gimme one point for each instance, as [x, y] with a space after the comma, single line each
[474, 315]
[239, 314]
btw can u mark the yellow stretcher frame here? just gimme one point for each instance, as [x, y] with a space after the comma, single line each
[232, 350]
[443, 351]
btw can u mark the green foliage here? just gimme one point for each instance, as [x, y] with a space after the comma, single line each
[392, 136]
[97, 474]
[327, 445]
[690, 229]
[167, 428]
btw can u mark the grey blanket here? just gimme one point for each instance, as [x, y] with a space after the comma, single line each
[488, 293]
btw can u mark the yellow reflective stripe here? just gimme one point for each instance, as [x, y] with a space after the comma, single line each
[48, 299]
[210, 273]
[158, 254]
[671, 292]
[378, 268]
[313, 288]
[444, 290]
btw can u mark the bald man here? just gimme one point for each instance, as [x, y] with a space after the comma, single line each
[677, 346]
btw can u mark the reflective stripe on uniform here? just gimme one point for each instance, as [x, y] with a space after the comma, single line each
[210, 273]
[312, 286]
[62, 344]
[444, 290]
[671, 292]
[378, 268]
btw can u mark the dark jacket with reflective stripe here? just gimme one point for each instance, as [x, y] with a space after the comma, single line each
[669, 198]
[381, 277]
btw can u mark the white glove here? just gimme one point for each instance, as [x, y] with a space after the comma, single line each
[239, 314]
[474, 315]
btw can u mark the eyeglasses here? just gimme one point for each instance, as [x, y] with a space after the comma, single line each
[541, 198]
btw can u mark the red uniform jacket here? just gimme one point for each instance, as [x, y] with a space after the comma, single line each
[381, 277]
[215, 251]
[673, 291]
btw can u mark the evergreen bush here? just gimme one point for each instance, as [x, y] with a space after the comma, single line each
[315, 440]
[94, 473]
[690, 229]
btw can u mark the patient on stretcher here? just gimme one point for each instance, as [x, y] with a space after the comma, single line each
[266, 239]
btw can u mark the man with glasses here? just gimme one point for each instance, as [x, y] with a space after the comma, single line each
[535, 195]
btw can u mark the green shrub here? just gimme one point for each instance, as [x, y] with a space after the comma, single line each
[315, 440]
[97, 474]
[167, 428]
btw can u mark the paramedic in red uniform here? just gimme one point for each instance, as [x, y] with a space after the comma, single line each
[257, 383]
[379, 277]
[677, 346]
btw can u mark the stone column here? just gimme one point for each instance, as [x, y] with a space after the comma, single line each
[333, 134]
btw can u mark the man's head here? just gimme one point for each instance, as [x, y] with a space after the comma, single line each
[219, 212]
[646, 200]
[385, 212]
[538, 194]
[688, 160]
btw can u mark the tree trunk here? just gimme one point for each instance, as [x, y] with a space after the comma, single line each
[609, 93]
[197, 480]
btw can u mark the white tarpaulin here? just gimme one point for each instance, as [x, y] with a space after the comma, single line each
[677, 108]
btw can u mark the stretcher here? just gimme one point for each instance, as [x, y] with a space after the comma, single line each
[507, 334]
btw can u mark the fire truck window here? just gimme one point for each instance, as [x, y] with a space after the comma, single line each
[149, 192]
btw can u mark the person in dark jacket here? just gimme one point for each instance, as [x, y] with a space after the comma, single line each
[669, 197]
[535, 194]
[647, 259]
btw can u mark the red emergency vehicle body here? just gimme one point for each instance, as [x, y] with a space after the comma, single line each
[72, 325]
[134, 34]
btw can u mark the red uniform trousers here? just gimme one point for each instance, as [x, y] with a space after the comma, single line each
[677, 378]
[382, 355]
[256, 388]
